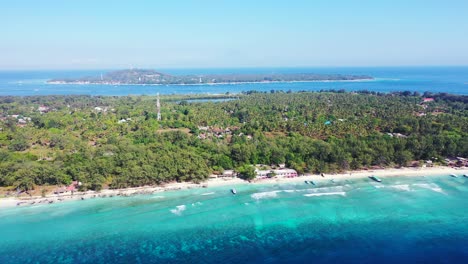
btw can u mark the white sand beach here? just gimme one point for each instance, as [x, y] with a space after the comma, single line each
[54, 198]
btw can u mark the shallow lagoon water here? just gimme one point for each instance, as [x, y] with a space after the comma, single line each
[407, 220]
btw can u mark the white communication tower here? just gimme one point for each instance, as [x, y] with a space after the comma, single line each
[158, 106]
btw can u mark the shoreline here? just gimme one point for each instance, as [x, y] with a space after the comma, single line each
[201, 84]
[216, 182]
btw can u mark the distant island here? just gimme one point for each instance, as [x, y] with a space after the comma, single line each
[143, 76]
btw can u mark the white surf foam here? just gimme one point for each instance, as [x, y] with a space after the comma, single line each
[326, 189]
[431, 186]
[179, 209]
[208, 193]
[263, 195]
[323, 191]
[324, 194]
[403, 187]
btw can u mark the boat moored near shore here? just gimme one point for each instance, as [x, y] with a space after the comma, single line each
[375, 178]
[453, 175]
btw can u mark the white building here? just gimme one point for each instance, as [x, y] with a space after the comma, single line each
[43, 109]
[228, 173]
[282, 173]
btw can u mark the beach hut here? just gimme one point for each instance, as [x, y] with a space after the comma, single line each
[228, 173]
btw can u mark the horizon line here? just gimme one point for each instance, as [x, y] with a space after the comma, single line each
[234, 67]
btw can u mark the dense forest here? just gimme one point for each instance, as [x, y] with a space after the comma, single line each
[118, 142]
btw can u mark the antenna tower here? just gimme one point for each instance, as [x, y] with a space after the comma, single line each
[158, 106]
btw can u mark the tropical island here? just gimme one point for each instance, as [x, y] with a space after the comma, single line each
[109, 142]
[144, 76]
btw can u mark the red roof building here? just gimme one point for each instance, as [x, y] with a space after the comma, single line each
[72, 187]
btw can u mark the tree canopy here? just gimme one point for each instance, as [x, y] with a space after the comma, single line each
[118, 141]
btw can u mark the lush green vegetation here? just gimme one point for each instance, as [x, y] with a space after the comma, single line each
[118, 141]
[142, 76]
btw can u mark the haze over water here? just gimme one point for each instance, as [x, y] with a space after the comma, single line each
[387, 79]
[402, 220]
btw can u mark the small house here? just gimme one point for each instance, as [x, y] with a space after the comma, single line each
[228, 173]
[43, 109]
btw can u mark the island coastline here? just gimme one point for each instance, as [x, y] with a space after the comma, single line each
[203, 84]
[152, 77]
[229, 182]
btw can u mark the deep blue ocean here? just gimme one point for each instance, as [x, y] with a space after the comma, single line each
[401, 220]
[387, 79]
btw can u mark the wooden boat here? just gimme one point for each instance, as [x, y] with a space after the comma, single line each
[375, 178]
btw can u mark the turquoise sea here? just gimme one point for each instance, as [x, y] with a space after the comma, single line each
[401, 220]
[452, 80]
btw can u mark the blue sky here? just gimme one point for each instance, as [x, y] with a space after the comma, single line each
[90, 34]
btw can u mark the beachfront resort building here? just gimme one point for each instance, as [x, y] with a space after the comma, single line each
[282, 173]
[228, 173]
[225, 174]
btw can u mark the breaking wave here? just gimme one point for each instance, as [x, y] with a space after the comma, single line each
[403, 187]
[263, 195]
[431, 186]
[323, 194]
[326, 189]
[179, 209]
